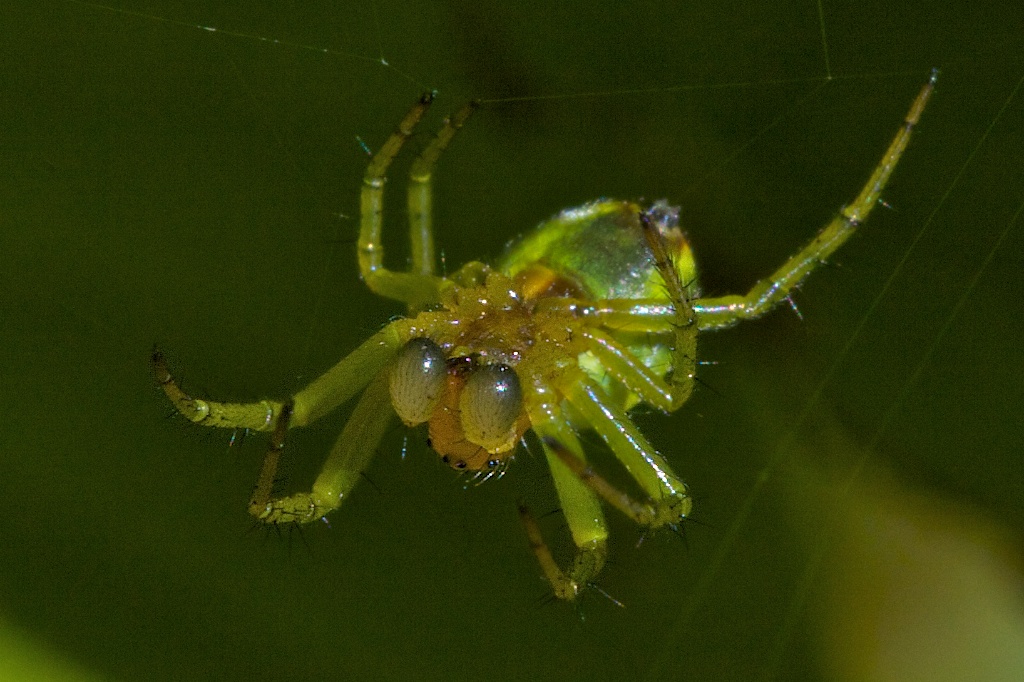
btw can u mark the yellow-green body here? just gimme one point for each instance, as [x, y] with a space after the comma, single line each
[597, 252]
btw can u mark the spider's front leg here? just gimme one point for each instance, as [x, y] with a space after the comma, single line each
[341, 471]
[579, 503]
[365, 365]
[323, 395]
[258, 416]
[418, 287]
[725, 311]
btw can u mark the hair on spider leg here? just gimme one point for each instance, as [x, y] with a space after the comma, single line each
[204, 436]
[676, 528]
[363, 475]
[556, 510]
[680, 530]
[531, 454]
[296, 528]
[362, 145]
[160, 368]
[264, 528]
[546, 599]
[698, 380]
[690, 283]
[562, 527]
[679, 527]
[238, 436]
[793, 306]
[550, 597]
[482, 477]
[275, 529]
[597, 588]
[524, 509]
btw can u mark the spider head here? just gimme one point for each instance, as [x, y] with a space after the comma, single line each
[474, 408]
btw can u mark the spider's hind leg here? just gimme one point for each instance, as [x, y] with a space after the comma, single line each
[668, 500]
[684, 351]
[580, 505]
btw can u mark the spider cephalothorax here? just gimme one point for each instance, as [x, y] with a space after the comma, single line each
[494, 345]
[595, 311]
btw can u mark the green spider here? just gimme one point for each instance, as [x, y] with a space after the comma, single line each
[594, 312]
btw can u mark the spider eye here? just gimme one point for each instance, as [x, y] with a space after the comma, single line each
[490, 404]
[417, 380]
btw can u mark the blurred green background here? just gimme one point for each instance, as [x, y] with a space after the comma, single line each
[167, 184]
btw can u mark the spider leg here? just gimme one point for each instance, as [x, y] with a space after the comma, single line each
[580, 505]
[342, 470]
[652, 315]
[580, 487]
[640, 379]
[725, 311]
[323, 395]
[419, 287]
[262, 491]
[338, 384]
[668, 494]
[684, 351]
[642, 513]
[407, 287]
[627, 368]
[419, 201]
[258, 416]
